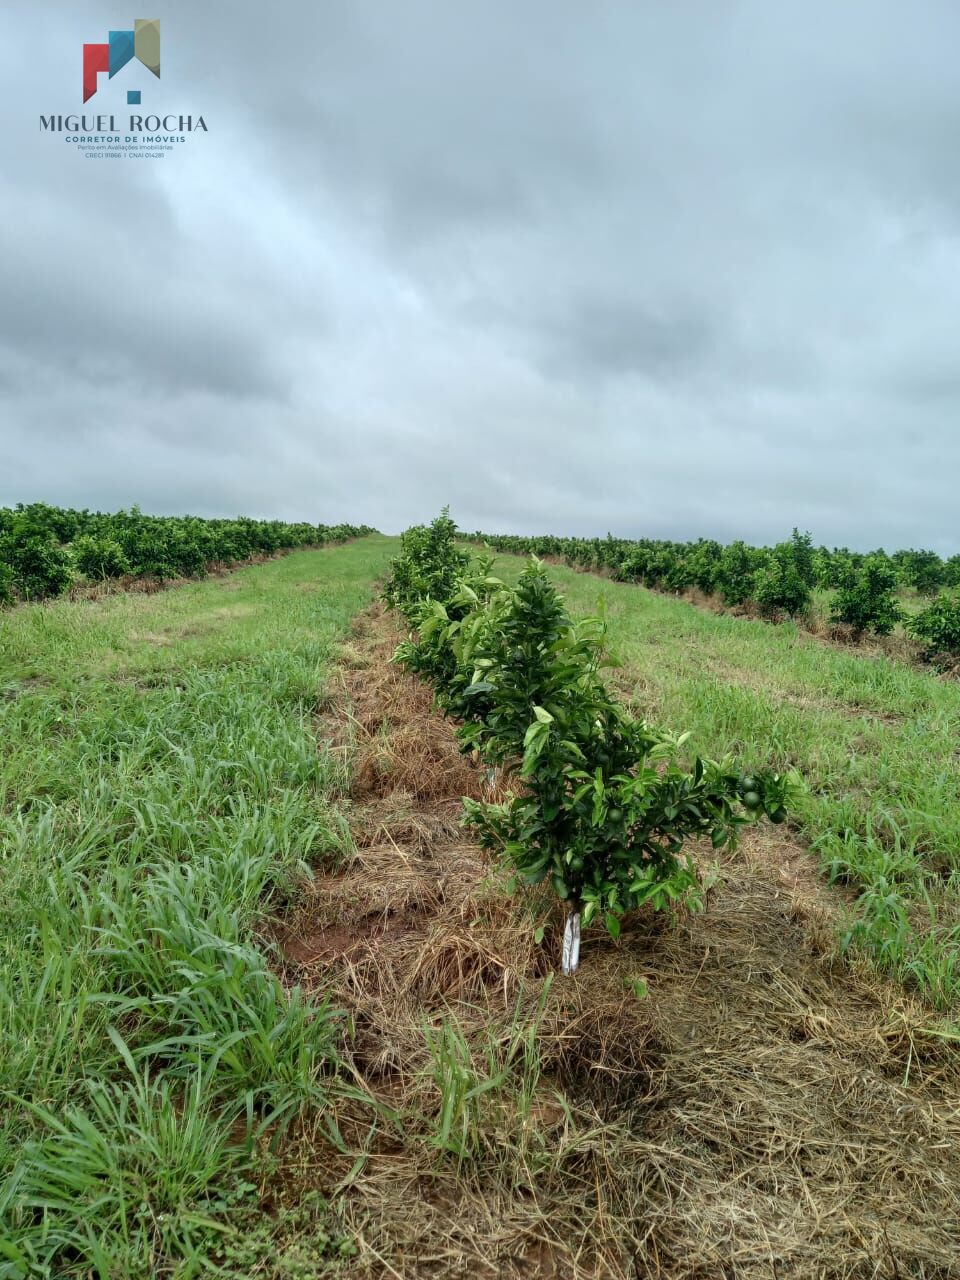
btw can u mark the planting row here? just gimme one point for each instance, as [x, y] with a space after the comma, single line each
[604, 806]
[779, 581]
[44, 549]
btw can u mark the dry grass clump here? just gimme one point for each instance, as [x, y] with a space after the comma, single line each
[715, 1095]
[397, 822]
[389, 726]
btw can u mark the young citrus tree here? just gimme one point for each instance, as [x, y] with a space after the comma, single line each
[779, 585]
[938, 625]
[922, 570]
[39, 567]
[735, 573]
[99, 557]
[865, 598]
[604, 803]
[428, 567]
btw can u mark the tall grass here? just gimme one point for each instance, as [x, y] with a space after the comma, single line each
[160, 783]
[484, 1100]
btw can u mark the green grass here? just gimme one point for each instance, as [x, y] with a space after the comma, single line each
[875, 739]
[160, 785]
[160, 782]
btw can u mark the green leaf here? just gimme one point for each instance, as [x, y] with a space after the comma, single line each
[613, 925]
[535, 875]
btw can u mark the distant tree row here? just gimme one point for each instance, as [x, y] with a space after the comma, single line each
[778, 581]
[45, 549]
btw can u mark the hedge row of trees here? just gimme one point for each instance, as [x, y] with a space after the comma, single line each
[603, 803]
[778, 581]
[45, 549]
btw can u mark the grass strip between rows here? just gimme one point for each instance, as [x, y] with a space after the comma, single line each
[160, 783]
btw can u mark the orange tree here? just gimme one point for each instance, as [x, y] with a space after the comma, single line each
[605, 803]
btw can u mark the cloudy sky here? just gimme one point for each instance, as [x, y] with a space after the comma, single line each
[671, 269]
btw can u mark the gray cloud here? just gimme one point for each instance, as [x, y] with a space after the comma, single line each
[610, 336]
[668, 270]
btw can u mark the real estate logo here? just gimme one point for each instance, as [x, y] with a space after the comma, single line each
[142, 43]
[108, 135]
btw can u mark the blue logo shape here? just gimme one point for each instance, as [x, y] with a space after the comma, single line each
[121, 50]
[133, 97]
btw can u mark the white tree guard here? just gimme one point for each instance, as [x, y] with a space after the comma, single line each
[571, 944]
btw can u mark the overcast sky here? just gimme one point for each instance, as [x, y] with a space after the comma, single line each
[666, 269]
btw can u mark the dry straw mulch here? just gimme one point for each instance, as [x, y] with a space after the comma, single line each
[766, 1111]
